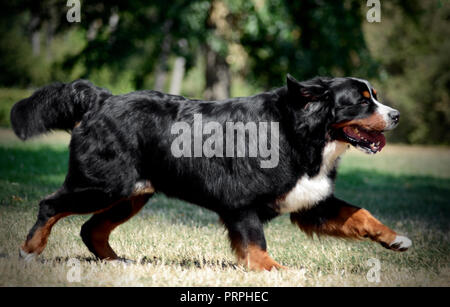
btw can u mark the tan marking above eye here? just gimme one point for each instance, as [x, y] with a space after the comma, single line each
[374, 91]
[366, 94]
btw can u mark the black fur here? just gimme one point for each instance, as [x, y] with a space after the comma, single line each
[127, 138]
[56, 106]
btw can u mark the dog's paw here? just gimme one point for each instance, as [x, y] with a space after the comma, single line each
[143, 187]
[400, 244]
[27, 257]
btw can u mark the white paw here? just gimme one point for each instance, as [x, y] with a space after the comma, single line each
[143, 187]
[400, 244]
[27, 257]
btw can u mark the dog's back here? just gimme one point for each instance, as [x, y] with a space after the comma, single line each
[130, 138]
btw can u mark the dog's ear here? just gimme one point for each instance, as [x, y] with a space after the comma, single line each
[292, 84]
[301, 93]
[310, 106]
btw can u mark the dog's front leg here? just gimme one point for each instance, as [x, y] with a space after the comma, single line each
[337, 218]
[246, 234]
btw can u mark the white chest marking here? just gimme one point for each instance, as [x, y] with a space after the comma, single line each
[310, 190]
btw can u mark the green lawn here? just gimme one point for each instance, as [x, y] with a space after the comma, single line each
[176, 244]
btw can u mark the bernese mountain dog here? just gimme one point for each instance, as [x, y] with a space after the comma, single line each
[121, 153]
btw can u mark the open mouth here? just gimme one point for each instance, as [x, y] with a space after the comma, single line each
[368, 141]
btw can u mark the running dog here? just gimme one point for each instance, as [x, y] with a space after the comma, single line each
[120, 155]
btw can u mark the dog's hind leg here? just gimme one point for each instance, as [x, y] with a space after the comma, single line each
[337, 218]
[59, 205]
[95, 232]
[246, 234]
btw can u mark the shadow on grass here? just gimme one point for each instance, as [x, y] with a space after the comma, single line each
[45, 165]
[189, 262]
[421, 198]
[154, 260]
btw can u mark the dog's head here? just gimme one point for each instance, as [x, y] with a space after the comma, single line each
[347, 108]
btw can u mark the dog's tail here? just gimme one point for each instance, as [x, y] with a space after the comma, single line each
[55, 106]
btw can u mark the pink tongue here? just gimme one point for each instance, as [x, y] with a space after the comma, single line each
[366, 136]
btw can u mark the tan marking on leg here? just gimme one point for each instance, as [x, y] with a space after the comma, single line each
[351, 222]
[258, 259]
[96, 231]
[254, 257]
[37, 243]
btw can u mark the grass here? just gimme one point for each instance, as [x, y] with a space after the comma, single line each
[177, 244]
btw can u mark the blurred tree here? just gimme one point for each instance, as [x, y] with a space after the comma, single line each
[218, 76]
[257, 40]
[412, 46]
[305, 38]
[26, 26]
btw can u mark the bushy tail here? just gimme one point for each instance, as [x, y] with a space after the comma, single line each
[55, 106]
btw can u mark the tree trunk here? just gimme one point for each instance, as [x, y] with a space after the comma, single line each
[36, 43]
[177, 76]
[161, 66]
[93, 29]
[34, 27]
[218, 79]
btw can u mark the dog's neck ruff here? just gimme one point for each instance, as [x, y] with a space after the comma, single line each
[309, 191]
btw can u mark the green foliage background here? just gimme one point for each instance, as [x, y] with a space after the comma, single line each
[405, 55]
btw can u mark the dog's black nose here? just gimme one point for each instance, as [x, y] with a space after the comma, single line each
[395, 116]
